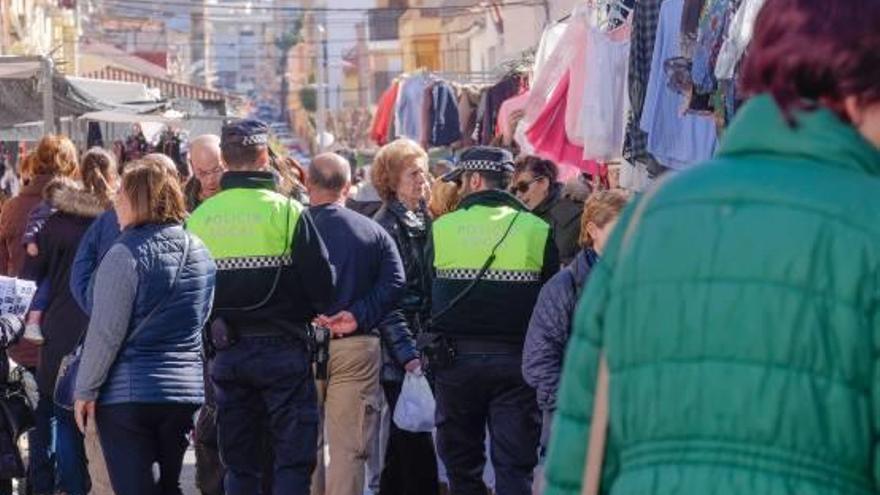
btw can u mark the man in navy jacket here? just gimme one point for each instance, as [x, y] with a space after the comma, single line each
[370, 279]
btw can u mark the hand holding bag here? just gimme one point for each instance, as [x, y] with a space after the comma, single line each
[69, 369]
[416, 406]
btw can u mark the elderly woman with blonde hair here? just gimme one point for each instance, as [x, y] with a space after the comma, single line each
[400, 176]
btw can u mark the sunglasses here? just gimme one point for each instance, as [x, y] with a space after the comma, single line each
[523, 187]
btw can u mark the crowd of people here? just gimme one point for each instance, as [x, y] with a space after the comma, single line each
[719, 330]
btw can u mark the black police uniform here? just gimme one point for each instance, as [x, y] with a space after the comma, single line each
[273, 278]
[483, 386]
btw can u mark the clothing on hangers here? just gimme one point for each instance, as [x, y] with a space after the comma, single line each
[511, 85]
[690, 23]
[445, 128]
[578, 77]
[508, 108]
[549, 40]
[703, 85]
[556, 66]
[547, 134]
[384, 114]
[409, 106]
[604, 103]
[739, 34]
[645, 19]
[468, 102]
[677, 141]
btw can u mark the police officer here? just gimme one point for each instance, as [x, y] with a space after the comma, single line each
[490, 258]
[273, 278]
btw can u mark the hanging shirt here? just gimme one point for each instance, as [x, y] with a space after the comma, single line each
[507, 88]
[574, 125]
[510, 106]
[713, 25]
[645, 19]
[445, 126]
[549, 41]
[548, 137]
[677, 141]
[738, 37]
[409, 106]
[384, 114]
[604, 104]
[555, 67]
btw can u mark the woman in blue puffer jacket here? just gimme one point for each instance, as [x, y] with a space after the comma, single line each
[550, 325]
[140, 378]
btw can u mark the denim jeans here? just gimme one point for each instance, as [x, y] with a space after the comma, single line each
[72, 473]
[41, 471]
[480, 390]
[260, 383]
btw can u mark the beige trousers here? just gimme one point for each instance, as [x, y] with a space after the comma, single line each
[97, 466]
[351, 401]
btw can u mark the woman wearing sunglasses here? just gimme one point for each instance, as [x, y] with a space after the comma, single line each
[535, 183]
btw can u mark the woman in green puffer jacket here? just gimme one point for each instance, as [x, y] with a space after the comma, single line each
[740, 313]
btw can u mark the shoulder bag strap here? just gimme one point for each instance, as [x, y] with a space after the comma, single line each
[82, 336]
[485, 268]
[277, 279]
[599, 424]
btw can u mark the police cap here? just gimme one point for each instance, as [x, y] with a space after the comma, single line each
[481, 159]
[245, 132]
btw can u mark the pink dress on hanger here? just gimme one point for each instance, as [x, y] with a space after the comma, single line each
[548, 136]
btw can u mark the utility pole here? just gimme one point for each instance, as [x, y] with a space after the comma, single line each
[77, 17]
[326, 70]
[322, 97]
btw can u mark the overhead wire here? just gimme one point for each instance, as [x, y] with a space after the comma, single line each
[279, 8]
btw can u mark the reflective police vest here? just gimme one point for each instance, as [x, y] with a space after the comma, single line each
[501, 303]
[247, 228]
[249, 232]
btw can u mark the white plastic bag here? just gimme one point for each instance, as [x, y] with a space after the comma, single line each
[415, 406]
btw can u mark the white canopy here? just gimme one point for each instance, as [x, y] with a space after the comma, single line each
[116, 92]
[18, 69]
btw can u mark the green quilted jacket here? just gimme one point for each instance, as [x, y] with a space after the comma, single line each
[741, 323]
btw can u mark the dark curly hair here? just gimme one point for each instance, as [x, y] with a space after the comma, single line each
[538, 166]
[808, 53]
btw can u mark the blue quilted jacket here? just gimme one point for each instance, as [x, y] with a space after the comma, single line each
[550, 328]
[162, 362]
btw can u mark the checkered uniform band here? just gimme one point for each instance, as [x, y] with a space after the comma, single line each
[255, 140]
[493, 275]
[483, 165]
[252, 262]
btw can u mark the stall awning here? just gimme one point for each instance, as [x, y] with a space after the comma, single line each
[116, 92]
[21, 101]
[19, 69]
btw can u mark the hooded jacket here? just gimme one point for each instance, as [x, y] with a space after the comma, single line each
[63, 320]
[739, 319]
